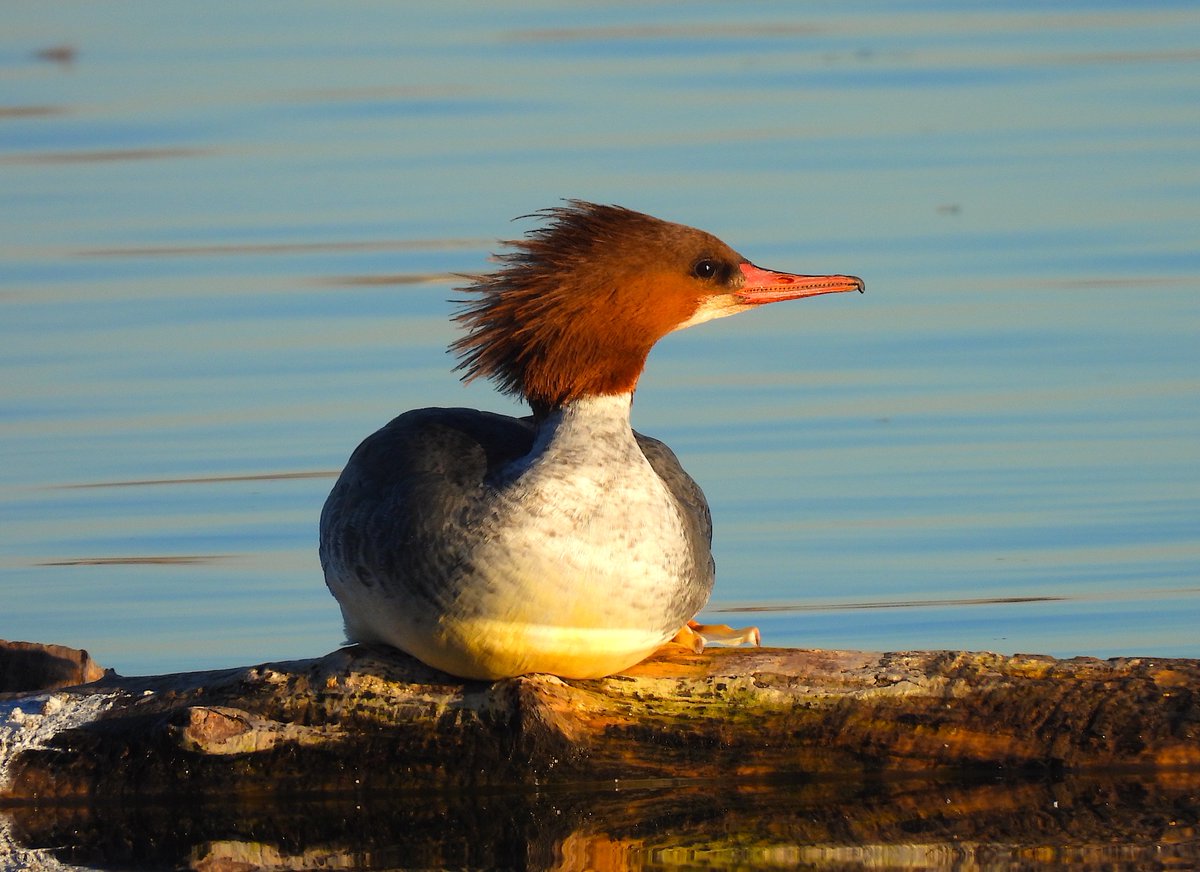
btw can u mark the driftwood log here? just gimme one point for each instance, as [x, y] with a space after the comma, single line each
[761, 754]
[361, 720]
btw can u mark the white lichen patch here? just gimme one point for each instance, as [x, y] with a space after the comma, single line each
[28, 723]
[32, 721]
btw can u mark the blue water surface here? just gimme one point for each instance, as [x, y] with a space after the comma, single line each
[229, 233]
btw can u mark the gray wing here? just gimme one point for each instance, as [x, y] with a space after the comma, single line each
[406, 487]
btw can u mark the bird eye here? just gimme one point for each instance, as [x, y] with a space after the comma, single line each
[704, 268]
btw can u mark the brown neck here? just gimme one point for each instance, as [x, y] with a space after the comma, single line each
[552, 344]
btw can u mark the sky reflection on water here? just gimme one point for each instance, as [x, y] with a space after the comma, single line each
[228, 249]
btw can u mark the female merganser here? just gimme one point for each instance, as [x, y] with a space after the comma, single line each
[489, 546]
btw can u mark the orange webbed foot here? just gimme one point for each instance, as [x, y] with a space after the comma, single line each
[696, 636]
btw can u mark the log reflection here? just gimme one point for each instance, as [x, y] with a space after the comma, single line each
[1084, 822]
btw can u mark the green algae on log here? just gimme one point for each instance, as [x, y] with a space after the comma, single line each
[361, 720]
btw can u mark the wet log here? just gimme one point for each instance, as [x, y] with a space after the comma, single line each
[362, 720]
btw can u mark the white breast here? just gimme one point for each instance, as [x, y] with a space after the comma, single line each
[585, 528]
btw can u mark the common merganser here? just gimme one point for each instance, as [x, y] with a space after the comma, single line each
[489, 546]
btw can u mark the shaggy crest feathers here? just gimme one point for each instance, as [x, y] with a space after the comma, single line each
[579, 302]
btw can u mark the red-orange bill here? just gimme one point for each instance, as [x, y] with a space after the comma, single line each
[768, 286]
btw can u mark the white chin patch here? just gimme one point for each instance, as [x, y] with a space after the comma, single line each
[715, 307]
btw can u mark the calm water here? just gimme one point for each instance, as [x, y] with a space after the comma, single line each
[228, 240]
[228, 233]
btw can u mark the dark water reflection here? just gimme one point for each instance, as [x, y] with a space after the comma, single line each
[1118, 822]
